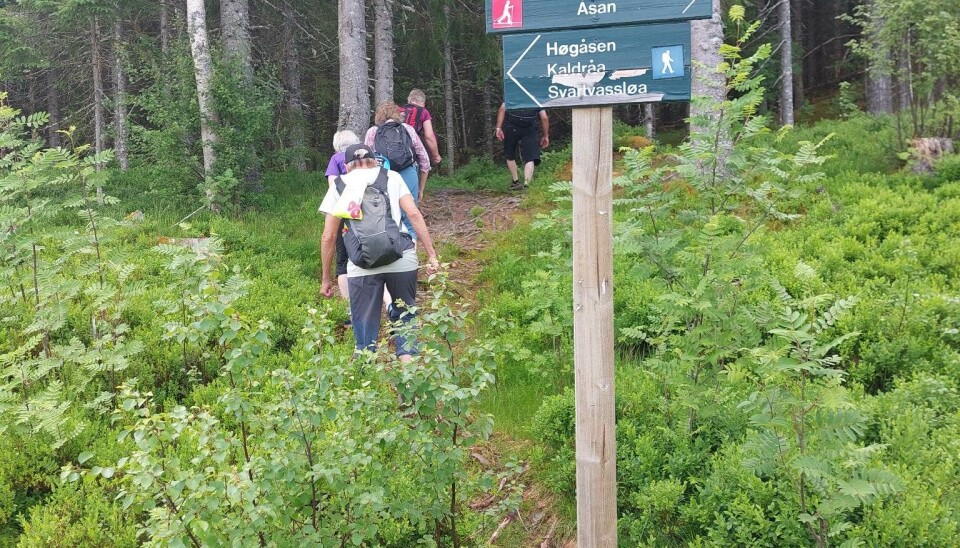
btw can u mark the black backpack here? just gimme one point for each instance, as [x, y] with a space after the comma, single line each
[393, 141]
[413, 117]
[375, 239]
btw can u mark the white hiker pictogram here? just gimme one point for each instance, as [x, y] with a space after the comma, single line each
[667, 60]
[506, 18]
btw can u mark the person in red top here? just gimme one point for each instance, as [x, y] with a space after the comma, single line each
[415, 114]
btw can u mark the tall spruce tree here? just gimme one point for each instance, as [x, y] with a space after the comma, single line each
[354, 68]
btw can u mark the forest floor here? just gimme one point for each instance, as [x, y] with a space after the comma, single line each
[465, 225]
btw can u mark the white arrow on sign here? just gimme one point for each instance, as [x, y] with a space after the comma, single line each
[517, 82]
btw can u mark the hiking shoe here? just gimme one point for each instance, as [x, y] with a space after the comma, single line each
[516, 185]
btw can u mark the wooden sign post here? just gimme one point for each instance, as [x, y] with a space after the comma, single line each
[593, 327]
[591, 56]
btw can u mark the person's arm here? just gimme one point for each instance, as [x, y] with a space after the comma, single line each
[423, 184]
[545, 124]
[332, 169]
[418, 149]
[423, 235]
[328, 246]
[501, 114]
[430, 140]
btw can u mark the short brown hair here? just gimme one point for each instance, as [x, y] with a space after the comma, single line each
[387, 110]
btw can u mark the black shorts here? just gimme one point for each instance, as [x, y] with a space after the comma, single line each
[341, 254]
[529, 142]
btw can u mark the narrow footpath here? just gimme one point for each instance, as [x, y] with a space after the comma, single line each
[466, 223]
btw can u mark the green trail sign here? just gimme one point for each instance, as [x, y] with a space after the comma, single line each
[512, 16]
[593, 67]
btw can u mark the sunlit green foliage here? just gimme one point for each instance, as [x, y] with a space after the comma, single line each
[313, 449]
[756, 309]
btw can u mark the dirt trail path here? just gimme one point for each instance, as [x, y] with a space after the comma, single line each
[466, 219]
[469, 221]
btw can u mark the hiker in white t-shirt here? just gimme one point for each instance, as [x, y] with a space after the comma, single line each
[399, 277]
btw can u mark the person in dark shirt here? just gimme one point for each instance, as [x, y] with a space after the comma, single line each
[519, 127]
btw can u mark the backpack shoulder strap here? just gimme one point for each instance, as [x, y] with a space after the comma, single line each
[418, 118]
[381, 183]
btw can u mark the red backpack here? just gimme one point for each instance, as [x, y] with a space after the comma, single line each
[413, 116]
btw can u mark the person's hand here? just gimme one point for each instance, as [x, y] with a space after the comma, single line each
[437, 159]
[498, 133]
[433, 265]
[544, 142]
[326, 288]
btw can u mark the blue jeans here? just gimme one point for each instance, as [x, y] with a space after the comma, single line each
[411, 176]
[366, 300]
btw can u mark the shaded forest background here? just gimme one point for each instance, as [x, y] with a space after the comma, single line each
[113, 68]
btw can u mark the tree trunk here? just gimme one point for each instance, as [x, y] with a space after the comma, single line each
[383, 44]
[649, 121]
[31, 77]
[879, 77]
[121, 137]
[203, 70]
[879, 88]
[908, 98]
[488, 118]
[709, 84]
[99, 117]
[53, 108]
[238, 50]
[448, 76]
[235, 28]
[291, 65]
[786, 63]
[904, 88]
[799, 89]
[164, 27]
[354, 70]
[707, 37]
[464, 133]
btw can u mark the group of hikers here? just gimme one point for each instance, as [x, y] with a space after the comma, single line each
[373, 225]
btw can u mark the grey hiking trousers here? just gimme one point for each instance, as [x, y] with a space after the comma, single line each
[366, 300]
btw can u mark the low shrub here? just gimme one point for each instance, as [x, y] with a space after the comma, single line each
[80, 514]
[479, 174]
[947, 170]
[851, 151]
